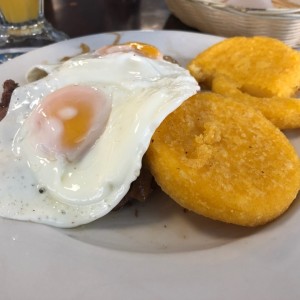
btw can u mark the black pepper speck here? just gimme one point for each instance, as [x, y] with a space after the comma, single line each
[42, 190]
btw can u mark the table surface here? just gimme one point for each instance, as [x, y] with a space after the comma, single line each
[84, 17]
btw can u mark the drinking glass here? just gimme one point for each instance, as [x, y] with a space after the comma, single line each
[23, 26]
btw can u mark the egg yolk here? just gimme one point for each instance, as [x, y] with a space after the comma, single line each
[140, 48]
[146, 49]
[69, 120]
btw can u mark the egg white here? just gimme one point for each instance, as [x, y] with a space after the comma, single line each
[143, 92]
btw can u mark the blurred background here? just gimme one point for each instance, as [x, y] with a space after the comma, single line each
[83, 17]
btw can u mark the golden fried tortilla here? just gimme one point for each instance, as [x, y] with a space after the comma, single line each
[225, 161]
[284, 113]
[261, 66]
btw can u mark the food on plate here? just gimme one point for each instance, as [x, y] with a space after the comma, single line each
[139, 48]
[224, 160]
[261, 66]
[8, 87]
[282, 112]
[261, 71]
[72, 141]
[140, 189]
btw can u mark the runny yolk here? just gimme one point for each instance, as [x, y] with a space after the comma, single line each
[69, 120]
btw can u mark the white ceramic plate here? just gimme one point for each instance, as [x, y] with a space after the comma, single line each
[153, 250]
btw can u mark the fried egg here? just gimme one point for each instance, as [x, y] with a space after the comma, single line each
[72, 142]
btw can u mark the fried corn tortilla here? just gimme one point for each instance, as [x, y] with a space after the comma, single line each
[261, 66]
[282, 112]
[225, 161]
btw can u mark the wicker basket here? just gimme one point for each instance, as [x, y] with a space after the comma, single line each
[219, 19]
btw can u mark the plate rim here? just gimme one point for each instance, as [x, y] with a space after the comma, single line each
[161, 275]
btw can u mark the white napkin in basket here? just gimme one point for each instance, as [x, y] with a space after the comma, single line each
[260, 4]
